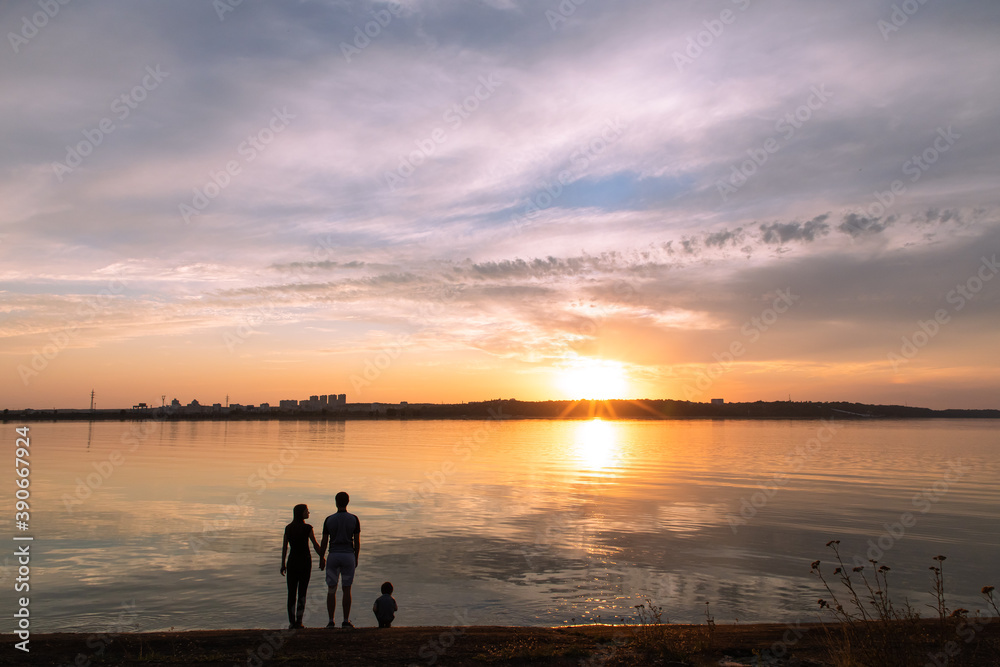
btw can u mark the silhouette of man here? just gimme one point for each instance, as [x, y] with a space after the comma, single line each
[342, 531]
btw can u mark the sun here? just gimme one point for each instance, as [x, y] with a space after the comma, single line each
[593, 379]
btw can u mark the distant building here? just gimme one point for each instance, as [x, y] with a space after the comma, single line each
[193, 408]
[314, 402]
[718, 401]
[265, 406]
[175, 403]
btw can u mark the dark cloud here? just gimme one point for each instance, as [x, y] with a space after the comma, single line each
[519, 267]
[858, 225]
[319, 266]
[779, 233]
[724, 238]
[935, 215]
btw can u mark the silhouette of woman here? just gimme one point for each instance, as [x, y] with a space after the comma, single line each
[298, 534]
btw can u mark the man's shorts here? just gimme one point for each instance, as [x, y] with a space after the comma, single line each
[338, 564]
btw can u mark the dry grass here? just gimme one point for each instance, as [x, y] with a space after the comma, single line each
[873, 631]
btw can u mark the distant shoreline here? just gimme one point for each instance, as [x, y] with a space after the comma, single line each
[644, 409]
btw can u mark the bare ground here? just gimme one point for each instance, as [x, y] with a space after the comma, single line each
[670, 645]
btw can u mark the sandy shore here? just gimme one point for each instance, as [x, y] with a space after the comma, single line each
[803, 645]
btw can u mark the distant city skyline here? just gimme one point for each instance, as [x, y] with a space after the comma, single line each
[314, 403]
[438, 201]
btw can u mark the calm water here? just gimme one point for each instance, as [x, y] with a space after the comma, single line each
[516, 522]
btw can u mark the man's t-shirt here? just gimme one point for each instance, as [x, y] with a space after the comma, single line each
[341, 527]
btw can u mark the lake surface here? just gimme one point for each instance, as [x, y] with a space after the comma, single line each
[149, 525]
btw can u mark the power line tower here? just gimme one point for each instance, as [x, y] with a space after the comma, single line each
[227, 400]
[91, 400]
[163, 400]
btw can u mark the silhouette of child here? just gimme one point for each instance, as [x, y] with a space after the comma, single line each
[385, 607]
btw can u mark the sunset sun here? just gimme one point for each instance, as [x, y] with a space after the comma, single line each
[596, 379]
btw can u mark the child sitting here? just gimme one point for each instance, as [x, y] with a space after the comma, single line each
[385, 607]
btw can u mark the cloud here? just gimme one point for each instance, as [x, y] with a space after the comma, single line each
[724, 238]
[780, 233]
[858, 225]
[592, 159]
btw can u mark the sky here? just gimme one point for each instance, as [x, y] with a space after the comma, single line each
[461, 200]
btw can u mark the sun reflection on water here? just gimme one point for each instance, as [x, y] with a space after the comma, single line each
[596, 444]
